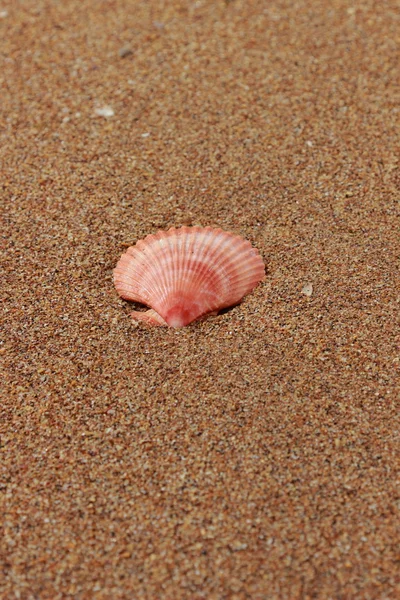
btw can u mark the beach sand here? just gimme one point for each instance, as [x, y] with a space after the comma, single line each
[252, 455]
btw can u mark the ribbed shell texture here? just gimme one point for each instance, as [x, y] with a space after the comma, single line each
[185, 273]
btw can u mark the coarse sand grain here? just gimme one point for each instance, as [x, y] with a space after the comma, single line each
[253, 455]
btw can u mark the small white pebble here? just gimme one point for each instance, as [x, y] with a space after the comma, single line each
[307, 289]
[104, 111]
[145, 135]
[3, 14]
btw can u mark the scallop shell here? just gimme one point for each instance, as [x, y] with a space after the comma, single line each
[183, 274]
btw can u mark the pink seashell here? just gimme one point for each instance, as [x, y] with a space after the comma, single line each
[183, 274]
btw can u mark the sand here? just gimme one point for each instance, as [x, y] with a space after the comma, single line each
[253, 455]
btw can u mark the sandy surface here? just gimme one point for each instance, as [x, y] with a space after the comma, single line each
[253, 455]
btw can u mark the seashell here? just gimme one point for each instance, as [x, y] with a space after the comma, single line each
[183, 274]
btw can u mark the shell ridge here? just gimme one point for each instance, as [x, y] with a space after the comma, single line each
[200, 264]
[164, 279]
[225, 272]
[204, 279]
[174, 271]
[197, 250]
[233, 270]
[186, 259]
[207, 278]
[167, 275]
[217, 276]
[185, 273]
[188, 250]
[155, 279]
[177, 260]
[142, 275]
[230, 267]
[181, 258]
[122, 278]
[229, 261]
[130, 282]
[171, 267]
[191, 248]
[136, 271]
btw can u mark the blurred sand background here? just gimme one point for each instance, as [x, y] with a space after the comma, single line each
[252, 455]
